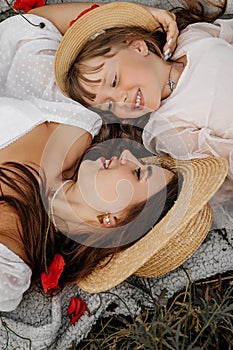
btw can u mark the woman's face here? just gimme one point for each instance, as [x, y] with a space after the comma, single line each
[132, 81]
[114, 184]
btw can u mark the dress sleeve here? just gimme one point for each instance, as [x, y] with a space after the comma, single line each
[184, 141]
[221, 28]
[225, 30]
[15, 278]
[27, 72]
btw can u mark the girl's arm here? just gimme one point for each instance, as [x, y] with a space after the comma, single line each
[62, 14]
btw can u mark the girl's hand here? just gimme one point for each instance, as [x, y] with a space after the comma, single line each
[168, 21]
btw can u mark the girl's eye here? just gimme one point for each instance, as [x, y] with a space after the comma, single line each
[138, 173]
[114, 81]
[110, 105]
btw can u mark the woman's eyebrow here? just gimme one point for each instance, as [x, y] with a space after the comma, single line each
[149, 171]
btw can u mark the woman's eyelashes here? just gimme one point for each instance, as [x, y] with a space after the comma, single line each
[138, 173]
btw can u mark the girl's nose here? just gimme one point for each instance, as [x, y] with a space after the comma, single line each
[120, 96]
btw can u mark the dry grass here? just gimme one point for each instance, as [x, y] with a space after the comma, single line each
[200, 317]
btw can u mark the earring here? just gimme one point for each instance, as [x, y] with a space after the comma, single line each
[106, 217]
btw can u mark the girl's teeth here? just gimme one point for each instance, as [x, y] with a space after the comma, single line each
[138, 99]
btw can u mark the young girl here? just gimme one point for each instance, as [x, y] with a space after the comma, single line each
[118, 65]
[27, 50]
[106, 205]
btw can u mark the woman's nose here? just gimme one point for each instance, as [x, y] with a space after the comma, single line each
[127, 156]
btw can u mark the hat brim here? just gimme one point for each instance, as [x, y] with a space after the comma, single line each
[176, 237]
[104, 17]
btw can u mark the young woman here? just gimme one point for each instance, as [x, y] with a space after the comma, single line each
[34, 198]
[100, 209]
[118, 65]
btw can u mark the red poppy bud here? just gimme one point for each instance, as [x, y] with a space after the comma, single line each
[50, 280]
[76, 308]
[27, 5]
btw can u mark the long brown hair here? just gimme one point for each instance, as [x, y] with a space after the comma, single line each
[30, 204]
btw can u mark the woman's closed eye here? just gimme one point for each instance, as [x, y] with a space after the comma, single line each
[138, 173]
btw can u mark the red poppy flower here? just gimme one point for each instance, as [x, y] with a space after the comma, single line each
[83, 13]
[76, 309]
[27, 5]
[50, 280]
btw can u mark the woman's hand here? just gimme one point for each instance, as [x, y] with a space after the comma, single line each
[168, 21]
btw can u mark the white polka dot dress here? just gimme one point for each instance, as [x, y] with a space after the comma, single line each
[15, 277]
[26, 73]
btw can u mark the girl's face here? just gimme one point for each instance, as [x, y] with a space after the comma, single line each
[112, 185]
[132, 81]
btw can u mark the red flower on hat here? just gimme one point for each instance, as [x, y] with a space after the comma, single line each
[27, 5]
[83, 13]
[76, 309]
[50, 279]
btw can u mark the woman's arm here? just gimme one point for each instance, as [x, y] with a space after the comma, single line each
[62, 14]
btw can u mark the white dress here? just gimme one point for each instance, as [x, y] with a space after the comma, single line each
[29, 97]
[15, 279]
[26, 73]
[196, 120]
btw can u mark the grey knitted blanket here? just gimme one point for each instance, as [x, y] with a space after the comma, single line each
[41, 322]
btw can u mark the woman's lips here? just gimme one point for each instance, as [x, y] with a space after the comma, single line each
[106, 162]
